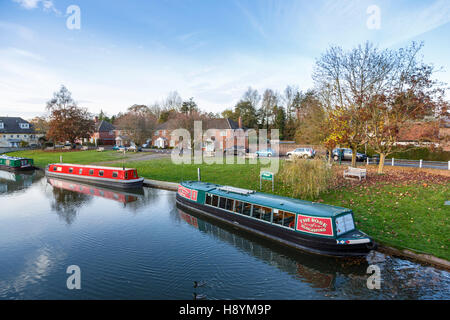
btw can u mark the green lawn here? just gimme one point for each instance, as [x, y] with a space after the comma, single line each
[42, 158]
[401, 214]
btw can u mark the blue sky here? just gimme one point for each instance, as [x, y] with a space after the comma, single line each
[129, 52]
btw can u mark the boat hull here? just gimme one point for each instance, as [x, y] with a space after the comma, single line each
[104, 182]
[297, 240]
[16, 169]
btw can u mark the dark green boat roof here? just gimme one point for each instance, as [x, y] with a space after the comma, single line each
[270, 200]
[13, 158]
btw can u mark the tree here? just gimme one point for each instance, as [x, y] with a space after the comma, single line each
[68, 122]
[280, 120]
[312, 120]
[138, 123]
[189, 107]
[40, 125]
[266, 112]
[350, 79]
[411, 94]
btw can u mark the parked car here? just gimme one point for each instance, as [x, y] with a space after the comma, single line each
[302, 153]
[147, 144]
[265, 153]
[135, 148]
[119, 148]
[347, 154]
[235, 150]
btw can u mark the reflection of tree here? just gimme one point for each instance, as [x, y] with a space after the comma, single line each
[67, 203]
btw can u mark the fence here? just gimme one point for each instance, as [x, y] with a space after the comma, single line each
[442, 165]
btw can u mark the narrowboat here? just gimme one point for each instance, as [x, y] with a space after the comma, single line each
[15, 164]
[122, 178]
[304, 225]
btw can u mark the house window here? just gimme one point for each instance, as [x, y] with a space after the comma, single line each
[2, 126]
[24, 126]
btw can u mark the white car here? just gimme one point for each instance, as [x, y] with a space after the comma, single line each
[302, 153]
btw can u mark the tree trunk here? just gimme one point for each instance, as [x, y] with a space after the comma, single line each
[354, 157]
[381, 164]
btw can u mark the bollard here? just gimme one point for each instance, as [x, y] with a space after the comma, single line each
[60, 159]
[420, 163]
[392, 161]
[198, 175]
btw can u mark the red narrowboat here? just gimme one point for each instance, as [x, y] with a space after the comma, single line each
[123, 178]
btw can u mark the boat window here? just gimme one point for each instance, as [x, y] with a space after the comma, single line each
[238, 207]
[262, 213]
[229, 204]
[91, 172]
[247, 209]
[115, 174]
[126, 175]
[54, 168]
[70, 170]
[344, 224]
[215, 200]
[100, 173]
[288, 220]
[222, 202]
[134, 174]
[208, 199]
[80, 171]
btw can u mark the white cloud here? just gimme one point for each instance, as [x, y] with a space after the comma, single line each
[47, 5]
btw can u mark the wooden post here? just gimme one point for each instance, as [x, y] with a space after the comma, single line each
[392, 161]
[420, 163]
[60, 158]
[199, 177]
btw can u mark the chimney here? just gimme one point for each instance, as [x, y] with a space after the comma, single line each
[240, 123]
[96, 119]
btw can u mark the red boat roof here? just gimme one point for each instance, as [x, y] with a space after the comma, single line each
[89, 166]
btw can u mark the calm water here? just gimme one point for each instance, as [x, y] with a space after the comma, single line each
[141, 246]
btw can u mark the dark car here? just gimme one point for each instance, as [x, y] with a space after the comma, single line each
[347, 154]
[235, 150]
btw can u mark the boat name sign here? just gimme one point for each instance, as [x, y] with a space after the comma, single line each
[187, 193]
[321, 226]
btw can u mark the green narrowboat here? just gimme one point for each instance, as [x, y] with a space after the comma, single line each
[15, 164]
[308, 226]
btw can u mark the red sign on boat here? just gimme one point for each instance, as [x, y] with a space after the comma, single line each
[321, 226]
[187, 193]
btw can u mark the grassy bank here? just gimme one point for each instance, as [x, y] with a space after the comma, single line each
[42, 158]
[404, 208]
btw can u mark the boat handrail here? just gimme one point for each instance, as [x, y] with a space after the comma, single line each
[236, 190]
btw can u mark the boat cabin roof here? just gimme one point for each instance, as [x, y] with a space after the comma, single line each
[13, 158]
[268, 200]
[89, 166]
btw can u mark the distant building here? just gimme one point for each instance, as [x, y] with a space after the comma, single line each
[14, 130]
[223, 133]
[104, 133]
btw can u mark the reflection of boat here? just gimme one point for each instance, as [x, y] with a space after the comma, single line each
[318, 270]
[304, 225]
[15, 164]
[13, 181]
[120, 196]
[123, 178]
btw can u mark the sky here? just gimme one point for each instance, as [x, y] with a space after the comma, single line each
[136, 52]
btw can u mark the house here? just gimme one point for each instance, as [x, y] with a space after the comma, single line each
[14, 131]
[222, 133]
[104, 133]
[419, 133]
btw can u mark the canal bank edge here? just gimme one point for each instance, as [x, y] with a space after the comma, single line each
[421, 257]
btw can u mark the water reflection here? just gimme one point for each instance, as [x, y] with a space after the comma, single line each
[12, 181]
[318, 271]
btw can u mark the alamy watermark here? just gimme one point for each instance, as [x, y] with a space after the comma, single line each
[374, 281]
[374, 20]
[73, 21]
[74, 280]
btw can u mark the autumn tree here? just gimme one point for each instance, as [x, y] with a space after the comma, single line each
[67, 121]
[311, 120]
[411, 95]
[138, 123]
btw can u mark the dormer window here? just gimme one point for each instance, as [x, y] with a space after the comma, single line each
[24, 125]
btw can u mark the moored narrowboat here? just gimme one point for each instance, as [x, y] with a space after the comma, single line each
[15, 163]
[122, 178]
[308, 226]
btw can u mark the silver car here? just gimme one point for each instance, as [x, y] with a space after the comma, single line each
[304, 153]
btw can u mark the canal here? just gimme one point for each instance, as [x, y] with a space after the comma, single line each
[141, 246]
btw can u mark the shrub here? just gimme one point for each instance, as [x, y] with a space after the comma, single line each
[306, 178]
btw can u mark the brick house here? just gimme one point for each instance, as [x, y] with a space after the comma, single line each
[14, 130]
[222, 132]
[104, 133]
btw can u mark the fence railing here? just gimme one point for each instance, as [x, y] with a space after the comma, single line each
[442, 165]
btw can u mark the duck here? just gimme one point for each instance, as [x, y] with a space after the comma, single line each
[198, 296]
